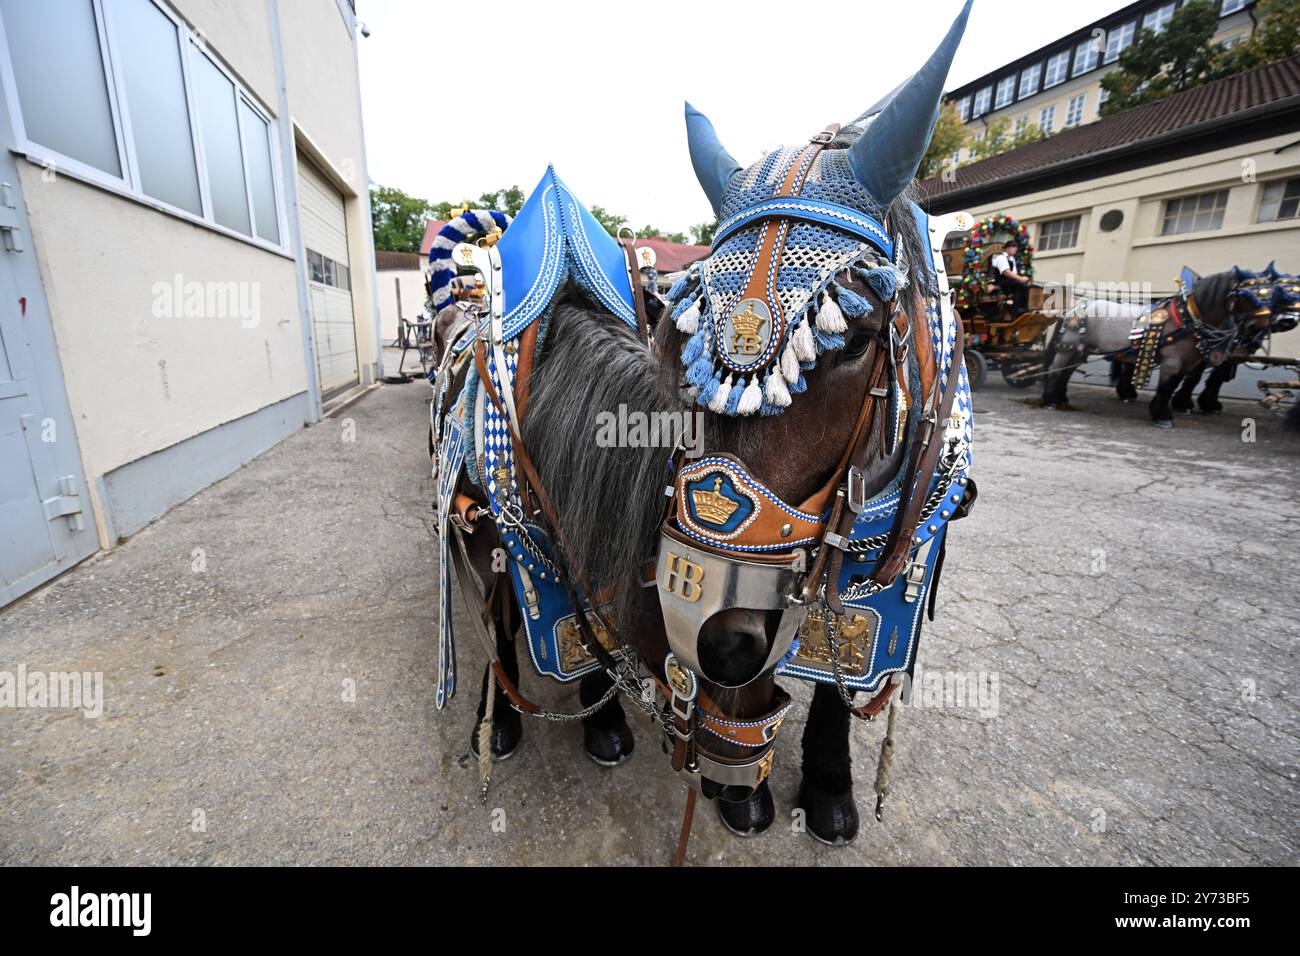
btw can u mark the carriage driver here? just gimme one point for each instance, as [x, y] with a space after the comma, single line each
[1006, 269]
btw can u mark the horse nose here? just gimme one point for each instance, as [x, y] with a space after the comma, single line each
[733, 648]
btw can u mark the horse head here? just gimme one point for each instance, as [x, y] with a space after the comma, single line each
[790, 335]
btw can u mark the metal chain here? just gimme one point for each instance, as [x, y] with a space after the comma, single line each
[951, 466]
[832, 627]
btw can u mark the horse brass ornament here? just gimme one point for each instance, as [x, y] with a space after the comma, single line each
[750, 325]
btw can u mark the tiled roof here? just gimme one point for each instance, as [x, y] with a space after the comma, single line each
[396, 261]
[1266, 89]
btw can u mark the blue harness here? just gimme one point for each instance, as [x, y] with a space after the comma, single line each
[554, 239]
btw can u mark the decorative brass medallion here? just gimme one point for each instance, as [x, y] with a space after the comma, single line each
[854, 634]
[573, 653]
[748, 331]
[678, 679]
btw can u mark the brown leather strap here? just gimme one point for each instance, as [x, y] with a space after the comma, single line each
[873, 707]
[638, 294]
[924, 459]
[687, 819]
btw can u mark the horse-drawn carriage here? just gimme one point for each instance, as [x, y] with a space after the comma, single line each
[996, 337]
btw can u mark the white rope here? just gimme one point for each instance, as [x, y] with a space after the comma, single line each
[485, 735]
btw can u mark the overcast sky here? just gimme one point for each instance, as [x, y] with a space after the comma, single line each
[461, 98]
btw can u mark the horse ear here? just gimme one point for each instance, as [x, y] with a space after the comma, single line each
[886, 157]
[714, 166]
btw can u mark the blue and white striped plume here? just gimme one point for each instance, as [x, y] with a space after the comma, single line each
[474, 222]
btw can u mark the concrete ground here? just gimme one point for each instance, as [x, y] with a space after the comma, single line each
[268, 650]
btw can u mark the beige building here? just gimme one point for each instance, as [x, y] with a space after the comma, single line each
[1058, 86]
[188, 257]
[1208, 179]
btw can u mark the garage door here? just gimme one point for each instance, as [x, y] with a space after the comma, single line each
[324, 233]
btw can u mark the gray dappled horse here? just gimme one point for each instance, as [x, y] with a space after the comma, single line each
[1201, 328]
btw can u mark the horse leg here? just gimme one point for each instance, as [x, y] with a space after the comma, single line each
[1209, 400]
[826, 792]
[1122, 376]
[1182, 400]
[1161, 412]
[507, 724]
[605, 734]
[1057, 381]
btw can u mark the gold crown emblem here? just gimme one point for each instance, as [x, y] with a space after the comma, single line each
[713, 507]
[745, 327]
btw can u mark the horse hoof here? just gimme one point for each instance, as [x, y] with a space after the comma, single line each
[750, 816]
[1183, 411]
[1166, 424]
[1212, 411]
[1051, 406]
[832, 820]
[608, 746]
[507, 731]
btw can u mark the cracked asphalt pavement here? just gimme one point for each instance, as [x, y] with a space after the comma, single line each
[269, 698]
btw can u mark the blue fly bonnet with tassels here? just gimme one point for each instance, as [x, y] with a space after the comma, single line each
[765, 303]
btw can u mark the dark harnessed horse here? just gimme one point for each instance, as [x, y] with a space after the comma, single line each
[817, 260]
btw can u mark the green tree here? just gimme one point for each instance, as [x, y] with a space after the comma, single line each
[508, 201]
[702, 235]
[1275, 38]
[609, 220]
[950, 136]
[1181, 57]
[999, 138]
[650, 232]
[398, 219]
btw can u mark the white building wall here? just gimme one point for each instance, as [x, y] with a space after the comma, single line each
[411, 283]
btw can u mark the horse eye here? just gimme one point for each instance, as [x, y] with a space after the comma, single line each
[857, 346]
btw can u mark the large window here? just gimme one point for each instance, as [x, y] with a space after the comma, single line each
[1231, 6]
[982, 100]
[963, 108]
[1058, 234]
[119, 93]
[1058, 67]
[1047, 119]
[1159, 18]
[1074, 114]
[1281, 201]
[1006, 92]
[1029, 80]
[1085, 56]
[1199, 213]
[1120, 39]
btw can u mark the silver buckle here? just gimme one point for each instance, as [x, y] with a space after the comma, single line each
[857, 490]
[915, 578]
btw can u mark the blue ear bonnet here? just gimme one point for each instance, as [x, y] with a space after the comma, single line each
[840, 231]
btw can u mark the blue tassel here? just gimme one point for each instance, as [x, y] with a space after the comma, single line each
[884, 282]
[710, 388]
[678, 289]
[852, 304]
[767, 408]
[681, 307]
[694, 348]
[701, 370]
[807, 366]
[733, 400]
[828, 343]
[797, 387]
